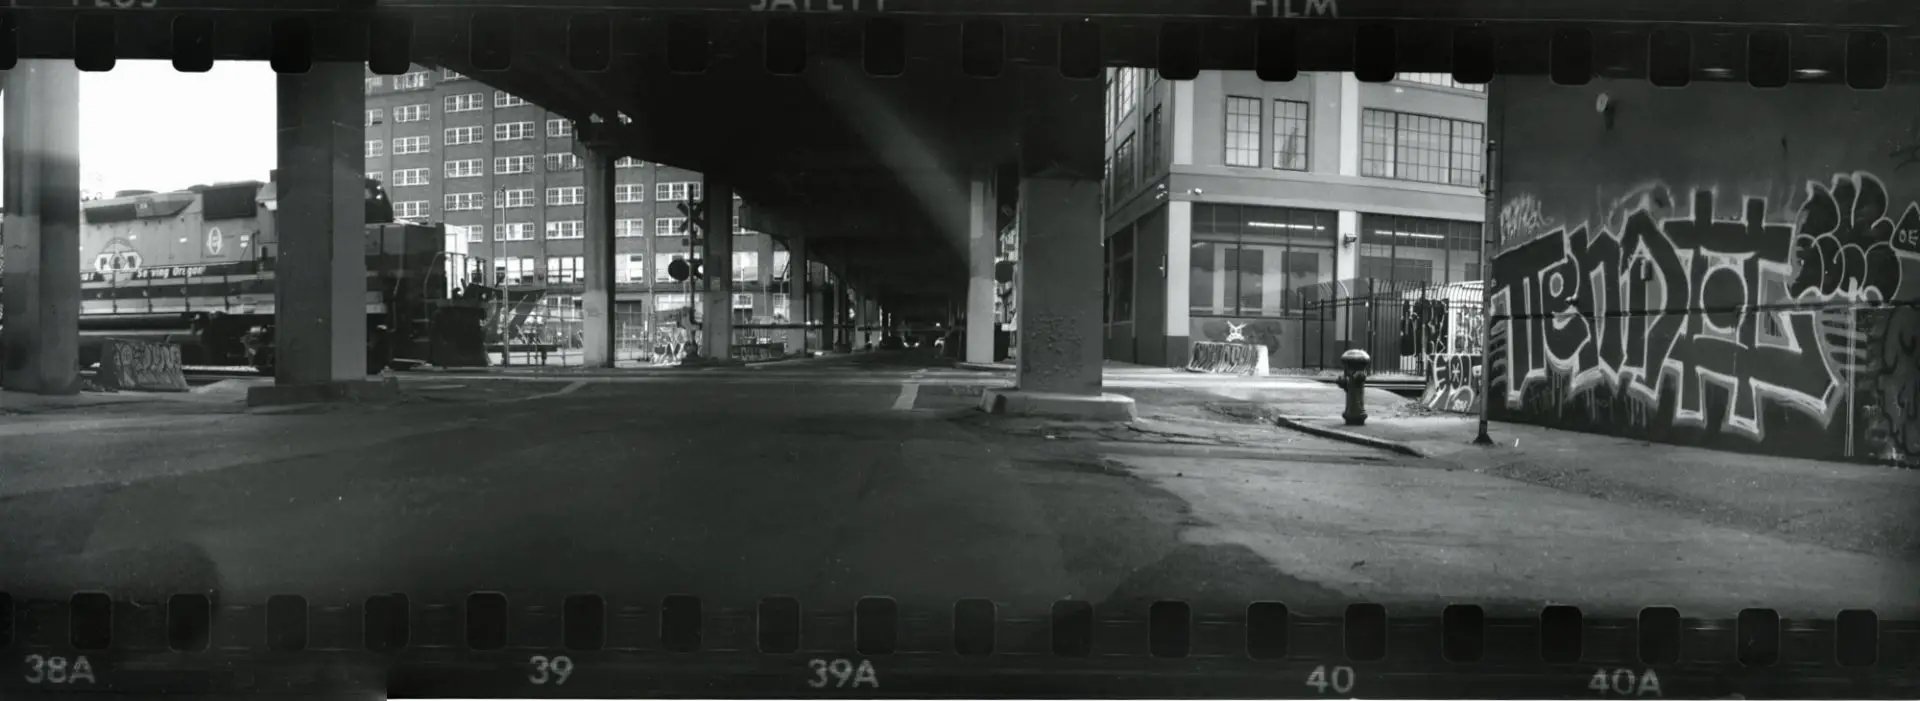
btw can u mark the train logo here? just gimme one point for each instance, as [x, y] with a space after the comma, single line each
[117, 257]
[216, 242]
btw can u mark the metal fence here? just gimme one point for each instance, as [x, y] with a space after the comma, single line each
[550, 331]
[1401, 325]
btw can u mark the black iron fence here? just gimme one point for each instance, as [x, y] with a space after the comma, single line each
[1401, 325]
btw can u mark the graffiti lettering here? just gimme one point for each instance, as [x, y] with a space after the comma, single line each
[137, 365]
[1520, 219]
[1453, 383]
[1667, 316]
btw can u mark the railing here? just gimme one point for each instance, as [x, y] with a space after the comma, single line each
[1401, 325]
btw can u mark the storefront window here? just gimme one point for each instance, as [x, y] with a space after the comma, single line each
[1254, 261]
[1408, 253]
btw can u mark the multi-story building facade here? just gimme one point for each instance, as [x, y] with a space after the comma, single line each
[1233, 203]
[503, 176]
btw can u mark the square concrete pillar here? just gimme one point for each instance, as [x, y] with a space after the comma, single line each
[983, 246]
[718, 255]
[40, 345]
[597, 302]
[320, 320]
[799, 289]
[1060, 281]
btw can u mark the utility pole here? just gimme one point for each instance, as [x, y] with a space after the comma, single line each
[1492, 191]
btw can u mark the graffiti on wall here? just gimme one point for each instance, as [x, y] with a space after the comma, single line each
[1888, 385]
[1265, 332]
[1661, 320]
[1453, 383]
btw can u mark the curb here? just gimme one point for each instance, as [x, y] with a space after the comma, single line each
[1350, 437]
[984, 367]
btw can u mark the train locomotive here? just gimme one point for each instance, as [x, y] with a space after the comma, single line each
[195, 268]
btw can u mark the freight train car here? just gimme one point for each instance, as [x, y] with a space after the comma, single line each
[196, 268]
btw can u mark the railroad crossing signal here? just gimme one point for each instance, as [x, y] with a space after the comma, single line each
[681, 269]
[692, 212]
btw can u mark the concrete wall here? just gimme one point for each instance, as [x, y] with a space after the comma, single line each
[1705, 269]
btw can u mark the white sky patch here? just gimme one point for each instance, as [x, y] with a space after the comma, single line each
[145, 126]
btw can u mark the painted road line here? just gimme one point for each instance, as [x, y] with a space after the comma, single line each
[909, 393]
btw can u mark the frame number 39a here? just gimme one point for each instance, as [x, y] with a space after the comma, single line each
[1338, 679]
[58, 670]
[842, 674]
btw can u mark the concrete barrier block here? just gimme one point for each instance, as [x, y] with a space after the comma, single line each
[1229, 358]
[140, 366]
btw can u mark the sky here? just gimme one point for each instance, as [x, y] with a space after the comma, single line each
[145, 126]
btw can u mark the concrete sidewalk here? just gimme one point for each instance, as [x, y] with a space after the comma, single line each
[1847, 506]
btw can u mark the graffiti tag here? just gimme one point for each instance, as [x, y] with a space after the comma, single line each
[1453, 383]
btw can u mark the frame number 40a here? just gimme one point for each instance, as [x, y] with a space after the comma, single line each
[842, 674]
[1624, 682]
[1339, 680]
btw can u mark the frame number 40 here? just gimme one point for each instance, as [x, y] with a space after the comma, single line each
[1339, 680]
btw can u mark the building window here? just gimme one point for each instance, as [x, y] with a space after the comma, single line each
[410, 144]
[568, 229]
[1152, 159]
[1106, 183]
[512, 131]
[782, 308]
[670, 226]
[661, 263]
[559, 127]
[1243, 132]
[373, 84]
[746, 266]
[676, 191]
[1129, 92]
[519, 231]
[1409, 253]
[1259, 261]
[566, 269]
[464, 103]
[1113, 101]
[628, 162]
[1444, 80]
[1123, 169]
[447, 75]
[473, 234]
[502, 99]
[378, 175]
[410, 113]
[1119, 283]
[465, 168]
[412, 209]
[463, 135]
[629, 228]
[559, 162]
[1421, 148]
[416, 80]
[376, 148]
[562, 196]
[742, 300]
[629, 193]
[510, 199]
[465, 201]
[409, 176]
[630, 267]
[374, 115]
[781, 262]
[512, 165]
[1290, 136]
[513, 271]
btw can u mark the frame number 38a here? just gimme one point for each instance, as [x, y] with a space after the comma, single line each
[58, 670]
[1337, 679]
[842, 674]
[550, 670]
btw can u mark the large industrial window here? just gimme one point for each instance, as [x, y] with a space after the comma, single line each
[1408, 253]
[559, 127]
[465, 201]
[1243, 132]
[629, 228]
[1258, 261]
[411, 113]
[521, 197]
[566, 269]
[566, 195]
[670, 226]
[512, 131]
[1123, 169]
[518, 231]
[1421, 148]
[1153, 144]
[462, 135]
[410, 144]
[631, 192]
[465, 103]
[502, 99]
[416, 209]
[676, 191]
[1290, 135]
[408, 176]
[566, 229]
[1444, 80]
[465, 168]
[558, 162]
[1119, 306]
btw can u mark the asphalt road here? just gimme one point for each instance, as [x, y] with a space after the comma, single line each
[827, 482]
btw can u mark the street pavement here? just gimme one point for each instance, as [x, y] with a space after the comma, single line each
[836, 478]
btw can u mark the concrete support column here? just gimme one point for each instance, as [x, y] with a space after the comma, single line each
[718, 230]
[860, 320]
[40, 346]
[320, 320]
[597, 302]
[1179, 282]
[983, 244]
[799, 287]
[1060, 280]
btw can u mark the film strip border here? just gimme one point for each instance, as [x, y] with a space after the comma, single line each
[592, 645]
[1766, 43]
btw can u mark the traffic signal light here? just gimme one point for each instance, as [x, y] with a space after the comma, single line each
[681, 269]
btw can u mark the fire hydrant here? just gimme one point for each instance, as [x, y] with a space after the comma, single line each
[1354, 381]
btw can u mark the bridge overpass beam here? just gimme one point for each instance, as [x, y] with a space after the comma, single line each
[320, 320]
[718, 256]
[597, 302]
[40, 345]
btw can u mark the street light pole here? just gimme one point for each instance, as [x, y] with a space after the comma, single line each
[1491, 190]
